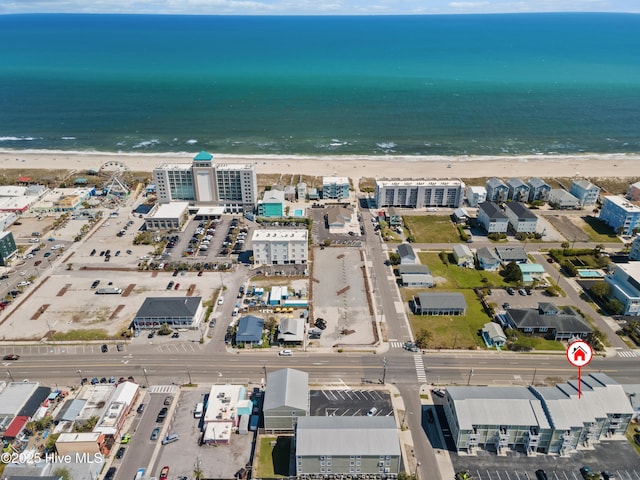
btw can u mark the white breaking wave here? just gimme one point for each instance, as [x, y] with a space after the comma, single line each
[147, 143]
[192, 141]
[69, 138]
[386, 146]
[17, 139]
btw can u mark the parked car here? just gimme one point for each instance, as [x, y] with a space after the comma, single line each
[511, 291]
[126, 438]
[111, 473]
[164, 473]
[155, 433]
[140, 408]
[285, 353]
[170, 285]
[439, 392]
[168, 400]
[541, 475]
[522, 292]
[120, 452]
[104, 348]
[372, 412]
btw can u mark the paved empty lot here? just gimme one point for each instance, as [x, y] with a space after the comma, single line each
[349, 403]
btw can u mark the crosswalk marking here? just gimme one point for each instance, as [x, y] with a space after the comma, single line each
[422, 375]
[163, 389]
[627, 353]
[395, 344]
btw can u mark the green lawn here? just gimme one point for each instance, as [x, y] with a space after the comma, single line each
[82, 335]
[599, 231]
[431, 229]
[459, 277]
[273, 461]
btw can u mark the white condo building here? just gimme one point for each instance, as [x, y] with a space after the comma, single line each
[203, 182]
[419, 193]
[280, 246]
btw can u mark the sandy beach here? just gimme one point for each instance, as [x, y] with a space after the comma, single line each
[587, 165]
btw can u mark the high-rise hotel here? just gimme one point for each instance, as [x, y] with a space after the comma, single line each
[203, 182]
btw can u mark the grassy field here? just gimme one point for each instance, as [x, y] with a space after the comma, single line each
[598, 231]
[273, 461]
[459, 277]
[82, 335]
[432, 228]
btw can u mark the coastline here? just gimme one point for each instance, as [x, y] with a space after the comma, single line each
[353, 166]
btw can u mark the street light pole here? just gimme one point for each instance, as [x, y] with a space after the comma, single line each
[415, 475]
[533, 381]
[470, 375]
[384, 369]
[146, 380]
[189, 373]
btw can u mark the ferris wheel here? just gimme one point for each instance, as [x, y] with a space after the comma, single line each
[114, 170]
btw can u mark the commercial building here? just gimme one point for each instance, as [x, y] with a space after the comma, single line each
[625, 286]
[497, 190]
[272, 204]
[563, 200]
[585, 191]
[118, 406]
[419, 193]
[539, 190]
[168, 216]
[518, 190]
[476, 195]
[202, 182]
[224, 408]
[286, 399]
[538, 419]
[63, 199]
[15, 396]
[7, 247]
[634, 254]
[492, 218]
[177, 312]
[359, 447]
[91, 443]
[250, 330]
[547, 321]
[620, 214]
[280, 246]
[335, 188]
[521, 219]
[441, 303]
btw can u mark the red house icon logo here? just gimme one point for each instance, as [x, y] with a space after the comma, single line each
[579, 354]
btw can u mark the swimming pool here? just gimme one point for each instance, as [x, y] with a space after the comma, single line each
[589, 273]
[298, 212]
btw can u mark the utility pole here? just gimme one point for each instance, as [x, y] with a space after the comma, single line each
[533, 381]
[470, 375]
[384, 369]
[146, 380]
[9, 375]
[189, 373]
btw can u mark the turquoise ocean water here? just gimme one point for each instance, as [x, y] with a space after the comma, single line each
[485, 84]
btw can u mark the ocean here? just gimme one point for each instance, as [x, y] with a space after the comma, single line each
[375, 85]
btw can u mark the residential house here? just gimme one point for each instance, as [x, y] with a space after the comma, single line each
[493, 335]
[301, 191]
[291, 330]
[625, 286]
[539, 190]
[272, 204]
[441, 303]
[463, 256]
[342, 220]
[289, 193]
[407, 255]
[537, 420]
[633, 193]
[548, 321]
[476, 195]
[492, 218]
[313, 193]
[460, 215]
[419, 193]
[620, 214]
[521, 219]
[518, 190]
[286, 399]
[497, 190]
[335, 188]
[585, 191]
[358, 447]
[415, 276]
[394, 217]
[512, 254]
[249, 332]
[531, 272]
[487, 259]
[562, 200]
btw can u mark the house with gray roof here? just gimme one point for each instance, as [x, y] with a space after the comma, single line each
[497, 190]
[512, 254]
[250, 330]
[463, 255]
[487, 259]
[286, 399]
[521, 219]
[538, 419]
[493, 335]
[356, 446]
[177, 312]
[538, 190]
[440, 303]
[563, 200]
[548, 321]
[518, 190]
[407, 255]
[415, 276]
[291, 330]
[492, 218]
[585, 191]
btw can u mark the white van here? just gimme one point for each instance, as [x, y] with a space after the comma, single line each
[173, 437]
[235, 312]
[197, 413]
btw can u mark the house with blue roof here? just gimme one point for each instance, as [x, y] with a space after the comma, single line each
[497, 190]
[250, 330]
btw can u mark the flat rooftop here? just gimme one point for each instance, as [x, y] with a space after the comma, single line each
[624, 203]
[280, 235]
[397, 182]
[170, 210]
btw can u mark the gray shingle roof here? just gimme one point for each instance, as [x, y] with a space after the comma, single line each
[565, 321]
[508, 254]
[487, 254]
[413, 269]
[516, 182]
[520, 210]
[536, 182]
[154, 307]
[496, 182]
[492, 210]
[287, 388]
[406, 250]
[441, 300]
[344, 436]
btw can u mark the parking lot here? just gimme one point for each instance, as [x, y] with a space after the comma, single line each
[350, 403]
[499, 296]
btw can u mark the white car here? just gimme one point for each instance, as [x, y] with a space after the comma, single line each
[24, 284]
[285, 353]
[23, 273]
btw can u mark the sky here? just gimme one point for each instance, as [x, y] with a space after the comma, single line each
[316, 7]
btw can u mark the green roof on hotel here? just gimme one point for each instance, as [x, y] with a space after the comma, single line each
[203, 156]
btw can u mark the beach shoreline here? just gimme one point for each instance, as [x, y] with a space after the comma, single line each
[352, 166]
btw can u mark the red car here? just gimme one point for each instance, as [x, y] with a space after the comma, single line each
[177, 286]
[164, 473]
[38, 262]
